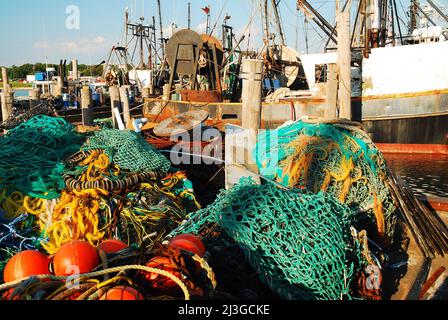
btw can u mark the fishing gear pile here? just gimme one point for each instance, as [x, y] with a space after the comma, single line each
[128, 150]
[78, 193]
[300, 244]
[22, 114]
[32, 154]
[338, 158]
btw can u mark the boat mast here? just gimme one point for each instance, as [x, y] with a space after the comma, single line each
[320, 21]
[278, 21]
[161, 28]
[265, 19]
[413, 15]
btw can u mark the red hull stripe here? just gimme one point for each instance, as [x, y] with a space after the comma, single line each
[413, 148]
[438, 204]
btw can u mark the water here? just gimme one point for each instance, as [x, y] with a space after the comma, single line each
[426, 174]
[21, 93]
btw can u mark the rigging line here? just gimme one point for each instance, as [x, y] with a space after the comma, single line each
[246, 28]
[405, 13]
[305, 22]
[249, 25]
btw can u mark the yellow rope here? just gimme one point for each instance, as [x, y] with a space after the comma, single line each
[11, 204]
[75, 217]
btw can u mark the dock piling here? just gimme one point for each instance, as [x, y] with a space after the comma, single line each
[240, 141]
[251, 74]
[5, 78]
[7, 103]
[125, 105]
[332, 92]
[114, 102]
[87, 107]
[344, 63]
[75, 69]
[34, 95]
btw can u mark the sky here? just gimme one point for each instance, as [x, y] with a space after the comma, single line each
[48, 30]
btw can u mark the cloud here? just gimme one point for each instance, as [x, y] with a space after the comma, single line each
[99, 39]
[81, 45]
[201, 28]
[167, 31]
[253, 36]
[41, 45]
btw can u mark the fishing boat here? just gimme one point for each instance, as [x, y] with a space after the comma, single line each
[398, 86]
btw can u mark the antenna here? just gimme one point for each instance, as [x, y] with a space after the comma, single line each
[189, 15]
[207, 12]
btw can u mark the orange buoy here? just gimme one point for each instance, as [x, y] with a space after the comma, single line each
[74, 258]
[122, 293]
[160, 281]
[25, 264]
[188, 242]
[112, 246]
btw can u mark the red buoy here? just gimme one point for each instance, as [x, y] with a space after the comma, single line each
[122, 293]
[160, 281]
[112, 246]
[75, 257]
[25, 264]
[188, 242]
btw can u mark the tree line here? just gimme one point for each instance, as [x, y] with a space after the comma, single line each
[20, 72]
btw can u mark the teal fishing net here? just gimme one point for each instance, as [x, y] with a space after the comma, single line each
[300, 244]
[32, 154]
[18, 234]
[128, 150]
[337, 158]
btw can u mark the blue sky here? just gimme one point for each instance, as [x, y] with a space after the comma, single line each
[36, 29]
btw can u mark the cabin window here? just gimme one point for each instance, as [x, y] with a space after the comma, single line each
[321, 73]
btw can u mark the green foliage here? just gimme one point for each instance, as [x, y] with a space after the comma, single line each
[20, 72]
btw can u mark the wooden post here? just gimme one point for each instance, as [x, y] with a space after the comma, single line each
[57, 91]
[240, 142]
[332, 91]
[146, 92]
[86, 106]
[75, 69]
[34, 95]
[7, 102]
[344, 63]
[251, 95]
[114, 102]
[58, 88]
[125, 105]
[101, 98]
[5, 77]
[166, 92]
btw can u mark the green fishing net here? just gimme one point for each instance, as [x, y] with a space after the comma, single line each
[128, 150]
[300, 244]
[32, 154]
[337, 158]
